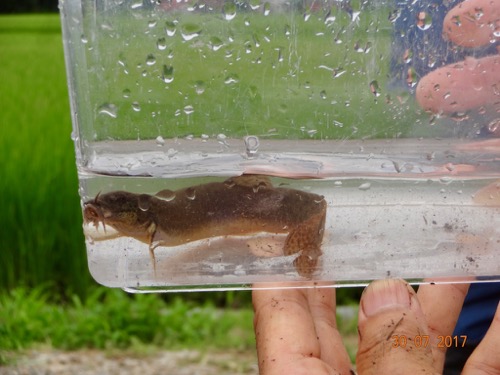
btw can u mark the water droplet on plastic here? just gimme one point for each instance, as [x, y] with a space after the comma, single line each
[411, 77]
[394, 15]
[450, 167]
[108, 109]
[252, 145]
[445, 180]
[374, 88]
[84, 39]
[136, 106]
[456, 20]
[231, 79]
[254, 4]
[161, 44]
[189, 109]
[365, 186]
[126, 93]
[267, 9]
[199, 87]
[337, 72]
[494, 126]
[215, 43]
[424, 20]
[152, 23]
[229, 11]
[221, 138]
[287, 30]
[256, 40]
[144, 202]
[160, 141]
[459, 116]
[150, 60]
[170, 28]
[190, 31]
[478, 13]
[166, 195]
[307, 15]
[190, 193]
[168, 73]
[280, 54]
[407, 56]
[329, 19]
[322, 94]
[136, 4]
[357, 46]
[171, 152]
[368, 47]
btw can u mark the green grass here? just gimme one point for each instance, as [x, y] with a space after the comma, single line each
[41, 238]
[111, 319]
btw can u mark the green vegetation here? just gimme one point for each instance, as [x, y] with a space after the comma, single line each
[41, 239]
[110, 318]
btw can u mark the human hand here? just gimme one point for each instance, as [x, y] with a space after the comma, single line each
[473, 83]
[296, 331]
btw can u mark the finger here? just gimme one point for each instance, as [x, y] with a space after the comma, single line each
[473, 23]
[392, 331]
[462, 86]
[441, 305]
[287, 342]
[322, 307]
[485, 360]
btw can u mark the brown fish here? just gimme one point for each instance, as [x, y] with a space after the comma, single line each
[238, 206]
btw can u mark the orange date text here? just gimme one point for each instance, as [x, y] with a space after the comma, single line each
[423, 341]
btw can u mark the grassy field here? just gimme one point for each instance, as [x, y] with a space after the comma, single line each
[110, 318]
[41, 239]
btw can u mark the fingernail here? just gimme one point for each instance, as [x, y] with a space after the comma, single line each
[382, 294]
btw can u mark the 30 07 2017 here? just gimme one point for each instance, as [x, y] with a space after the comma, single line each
[423, 341]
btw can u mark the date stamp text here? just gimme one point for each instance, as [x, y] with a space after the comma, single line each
[423, 341]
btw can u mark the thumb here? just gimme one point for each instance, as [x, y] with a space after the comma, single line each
[393, 337]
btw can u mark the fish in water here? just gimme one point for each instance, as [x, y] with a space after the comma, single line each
[239, 206]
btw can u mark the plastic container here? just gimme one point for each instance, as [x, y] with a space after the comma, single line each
[239, 144]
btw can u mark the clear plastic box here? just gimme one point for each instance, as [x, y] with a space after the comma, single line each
[227, 144]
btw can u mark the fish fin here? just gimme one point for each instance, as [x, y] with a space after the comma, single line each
[153, 244]
[305, 239]
[153, 258]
